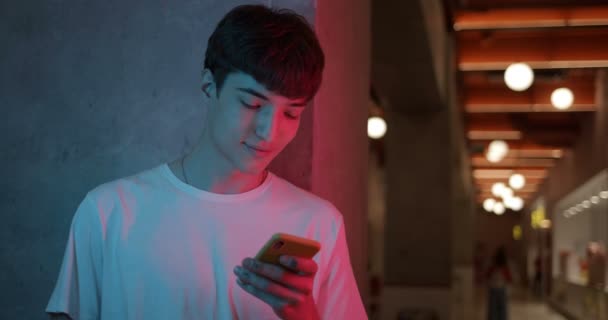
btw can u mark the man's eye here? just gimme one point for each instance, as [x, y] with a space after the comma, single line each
[254, 107]
[291, 116]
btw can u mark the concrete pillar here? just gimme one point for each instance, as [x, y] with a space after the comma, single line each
[430, 204]
[418, 215]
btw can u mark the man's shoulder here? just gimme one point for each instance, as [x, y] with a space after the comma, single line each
[302, 197]
[128, 185]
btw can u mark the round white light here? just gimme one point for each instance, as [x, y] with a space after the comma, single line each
[562, 98]
[604, 194]
[497, 150]
[519, 76]
[515, 203]
[579, 207]
[497, 189]
[586, 204]
[517, 181]
[488, 204]
[595, 199]
[499, 208]
[376, 127]
[493, 157]
[507, 193]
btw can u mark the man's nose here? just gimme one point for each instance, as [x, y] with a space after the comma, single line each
[267, 123]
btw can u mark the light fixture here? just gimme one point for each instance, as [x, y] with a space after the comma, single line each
[519, 76]
[562, 98]
[488, 204]
[595, 199]
[515, 203]
[579, 207]
[497, 150]
[499, 208]
[497, 189]
[604, 194]
[517, 181]
[586, 204]
[507, 193]
[376, 127]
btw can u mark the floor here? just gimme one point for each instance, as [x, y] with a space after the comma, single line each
[522, 306]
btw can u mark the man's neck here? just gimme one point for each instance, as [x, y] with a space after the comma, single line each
[206, 170]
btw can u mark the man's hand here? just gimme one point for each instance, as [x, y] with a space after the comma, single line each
[287, 288]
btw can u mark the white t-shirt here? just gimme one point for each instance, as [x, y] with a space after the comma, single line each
[152, 247]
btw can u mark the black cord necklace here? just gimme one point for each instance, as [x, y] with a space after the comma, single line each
[184, 171]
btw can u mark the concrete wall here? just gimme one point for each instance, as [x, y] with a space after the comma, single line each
[92, 91]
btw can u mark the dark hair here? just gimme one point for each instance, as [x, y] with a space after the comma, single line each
[500, 257]
[278, 48]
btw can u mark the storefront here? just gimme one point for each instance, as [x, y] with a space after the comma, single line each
[580, 239]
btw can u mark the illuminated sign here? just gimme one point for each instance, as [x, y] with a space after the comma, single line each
[537, 216]
[517, 232]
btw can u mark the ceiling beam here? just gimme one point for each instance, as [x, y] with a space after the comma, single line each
[533, 130]
[530, 181]
[534, 138]
[536, 99]
[519, 152]
[488, 194]
[530, 18]
[527, 188]
[479, 161]
[506, 173]
[553, 48]
[481, 197]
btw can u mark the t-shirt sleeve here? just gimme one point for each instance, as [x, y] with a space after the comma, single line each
[339, 296]
[77, 291]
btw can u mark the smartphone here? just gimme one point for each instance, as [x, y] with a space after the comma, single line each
[287, 244]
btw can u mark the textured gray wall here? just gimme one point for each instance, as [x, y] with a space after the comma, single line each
[90, 91]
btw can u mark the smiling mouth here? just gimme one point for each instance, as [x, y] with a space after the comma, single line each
[256, 150]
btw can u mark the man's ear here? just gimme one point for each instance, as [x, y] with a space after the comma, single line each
[209, 88]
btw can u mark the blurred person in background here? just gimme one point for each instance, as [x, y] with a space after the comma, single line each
[498, 278]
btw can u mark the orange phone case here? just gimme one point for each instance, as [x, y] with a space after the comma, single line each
[287, 244]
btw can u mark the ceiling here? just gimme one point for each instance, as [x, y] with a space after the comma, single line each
[564, 42]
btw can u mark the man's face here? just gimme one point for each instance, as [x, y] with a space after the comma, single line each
[249, 125]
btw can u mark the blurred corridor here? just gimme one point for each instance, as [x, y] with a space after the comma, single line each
[522, 306]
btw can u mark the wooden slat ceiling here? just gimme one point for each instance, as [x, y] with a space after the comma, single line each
[530, 18]
[564, 42]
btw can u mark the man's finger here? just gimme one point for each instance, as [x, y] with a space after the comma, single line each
[266, 285]
[302, 265]
[268, 270]
[299, 281]
[272, 300]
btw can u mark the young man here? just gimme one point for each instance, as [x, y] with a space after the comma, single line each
[176, 241]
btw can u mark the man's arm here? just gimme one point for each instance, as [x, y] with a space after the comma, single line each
[76, 291]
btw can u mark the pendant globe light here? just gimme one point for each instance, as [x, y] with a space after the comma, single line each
[519, 76]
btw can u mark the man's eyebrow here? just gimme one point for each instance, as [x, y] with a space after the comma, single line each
[261, 96]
